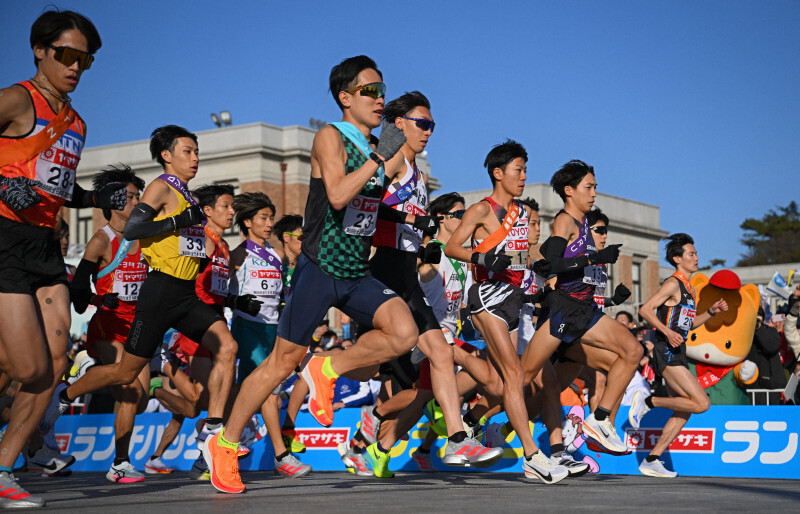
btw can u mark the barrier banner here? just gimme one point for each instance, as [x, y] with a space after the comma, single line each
[725, 441]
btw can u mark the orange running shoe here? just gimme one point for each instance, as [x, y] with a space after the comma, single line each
[223, 466]
[321, 381]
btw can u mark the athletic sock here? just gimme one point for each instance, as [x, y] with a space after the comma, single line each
[224, 443]
[600, 414]
[377, 415]
[381, 448]
[470, 420]
[529, 457]
[282, 456]
[213, 423]
[153, 457]
[458, 436]
[649, 402]
[6, 469]
[424, 450]
[119, 460]
[483, 420]
[357, 450]
[556, 450]
[652, 458]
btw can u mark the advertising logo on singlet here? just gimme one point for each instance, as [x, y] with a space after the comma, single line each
[55, 168]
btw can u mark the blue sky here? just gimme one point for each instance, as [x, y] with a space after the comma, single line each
[689, 105]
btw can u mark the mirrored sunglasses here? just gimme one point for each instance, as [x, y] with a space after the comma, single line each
[67, 56]
[423, 123]
[374, 90]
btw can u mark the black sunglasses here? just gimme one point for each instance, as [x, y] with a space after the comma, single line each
[453, 214]
[599, 229]
[66, 56]
[423, 123]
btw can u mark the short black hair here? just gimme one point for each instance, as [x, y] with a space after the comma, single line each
[596, 215]
[624, 313]
[247, 206]
[121, 173]
[208, 195]
[532, 204]
[288, 223]
[51, 24]
[500, 155]
[444, 203]
[403, 105]
[344, 74]
[164, 138]
[571, 175]
[674, 246]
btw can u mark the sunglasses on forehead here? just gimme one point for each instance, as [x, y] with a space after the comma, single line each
[423, 123]
[599, 229]
[374, 90]
[66, 56]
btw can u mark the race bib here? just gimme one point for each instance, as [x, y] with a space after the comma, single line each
[264, 282]
[128, 283]
[192, 241]
[219, 280]
[361, 216]
[517, 247]
[55, 168]
[686, 318]
[594, 275]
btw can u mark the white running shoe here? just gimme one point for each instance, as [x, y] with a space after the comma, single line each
[204, 433]
[424, 462]
[155, 466]
[604, 433]
[370, 425]
[291, 467]
[656, 469]
[638, 409]
[47, 460]
[575, 468]
[124, 473]
[14, 496]
[354, 462]
[494, 435]
[541, 467]
[470, 453]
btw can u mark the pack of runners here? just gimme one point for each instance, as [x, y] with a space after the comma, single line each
[370, 244]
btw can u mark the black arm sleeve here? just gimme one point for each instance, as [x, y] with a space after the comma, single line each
[553, 251]
[80, 198]
[80, 290]
[388, 214]
[141, 225]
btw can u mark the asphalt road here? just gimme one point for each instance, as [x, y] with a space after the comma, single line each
[324, 492]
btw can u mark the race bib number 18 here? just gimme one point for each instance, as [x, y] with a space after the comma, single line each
[192, 242]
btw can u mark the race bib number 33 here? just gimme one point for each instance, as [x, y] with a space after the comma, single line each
[192, 242]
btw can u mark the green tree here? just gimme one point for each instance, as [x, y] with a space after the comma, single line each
[773, 239]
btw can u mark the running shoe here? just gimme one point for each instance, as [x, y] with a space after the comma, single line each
[250, 433]
[54, 410]
[291, 442]
[424, 462]
[370, 424]
[13, 496]
[656, 469]
[594, 446]
[84, 365]
[470, 453]
[378, 461]
[575, 468]
[495, 438]
[49, 461]
[290, 467]
[199, 469]
[203, 433]
[539, 466]
[638, 409]
[604, 433]
[223, 466]
[320, 386]
[124, 473]
[154, 466]
[434, 414]
[353, 460]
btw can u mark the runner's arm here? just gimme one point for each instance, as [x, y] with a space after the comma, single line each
[141, 223]
[668, 290]
[472, 219]
[16, 111]
[719, 306]
[80, 289]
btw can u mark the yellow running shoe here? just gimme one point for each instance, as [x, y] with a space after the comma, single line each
[378, 461]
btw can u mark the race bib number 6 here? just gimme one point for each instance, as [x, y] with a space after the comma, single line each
[361, 216]
[192, 242]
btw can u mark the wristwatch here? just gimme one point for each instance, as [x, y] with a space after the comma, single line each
[378, 160]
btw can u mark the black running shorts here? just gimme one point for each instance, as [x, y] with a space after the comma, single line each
[30, 258]
[664, 354]
[499, 299]
[167, 302]
[569, 318]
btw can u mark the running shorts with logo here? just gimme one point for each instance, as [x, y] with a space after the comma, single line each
[569, 318]
[167, 302]
[664, 354]
[678, 318]
[314, 292]
[500, 299]
[192, 348]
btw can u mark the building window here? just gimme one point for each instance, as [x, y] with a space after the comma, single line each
[610, 282]
[636, 277]
[84, 229]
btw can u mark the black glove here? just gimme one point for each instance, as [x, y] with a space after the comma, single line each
[430, 254]
[191, 216]
[607, 255]
[110, 300]
[248, 304]
[494, 262]
[18, 192]
[392, 139]
[429, 225]
[113, 195]
[621, 293]
[542, 267]
[539, 296]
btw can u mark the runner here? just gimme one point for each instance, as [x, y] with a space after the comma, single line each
[398, 240]
[498, 226]
[41, 138]
[568, 313]
[673, 313]
[344, 192]
[167, 220]
[256, 273]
